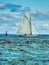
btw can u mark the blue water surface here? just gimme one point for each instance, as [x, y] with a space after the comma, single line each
[17, 50]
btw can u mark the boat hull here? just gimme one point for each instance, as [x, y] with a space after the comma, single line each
[28, 35]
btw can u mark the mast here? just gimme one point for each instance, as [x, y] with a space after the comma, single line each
[30, 27]
[25, 26]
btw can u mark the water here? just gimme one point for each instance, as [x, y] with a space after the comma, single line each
[16, 50]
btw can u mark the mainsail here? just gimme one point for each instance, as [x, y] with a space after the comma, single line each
[25, 26]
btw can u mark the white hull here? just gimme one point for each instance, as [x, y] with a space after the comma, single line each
[28, 36]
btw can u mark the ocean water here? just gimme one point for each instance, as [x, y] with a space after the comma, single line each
[15, 50]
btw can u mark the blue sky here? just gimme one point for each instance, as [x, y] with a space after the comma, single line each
[12, 12]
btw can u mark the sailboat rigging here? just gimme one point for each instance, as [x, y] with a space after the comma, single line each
[25, 26]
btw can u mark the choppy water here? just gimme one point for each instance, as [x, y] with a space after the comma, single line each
[24, 51]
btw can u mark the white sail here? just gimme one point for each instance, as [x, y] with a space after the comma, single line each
[25, 26]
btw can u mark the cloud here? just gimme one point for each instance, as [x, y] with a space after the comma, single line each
[46, 25]
[9, 17]
[1, 27]
[16, 16]
[26, 9]
[12, 7]
[5, 26]
[4, 18]
[9, 28]
[1, 5]
[37, 15]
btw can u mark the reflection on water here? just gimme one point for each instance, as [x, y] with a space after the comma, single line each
[24, 51]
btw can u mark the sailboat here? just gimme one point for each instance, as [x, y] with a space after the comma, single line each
[25, 26]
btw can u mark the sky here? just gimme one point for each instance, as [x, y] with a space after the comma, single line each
[12, 13]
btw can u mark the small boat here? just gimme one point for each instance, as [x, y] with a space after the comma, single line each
[6, 34]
